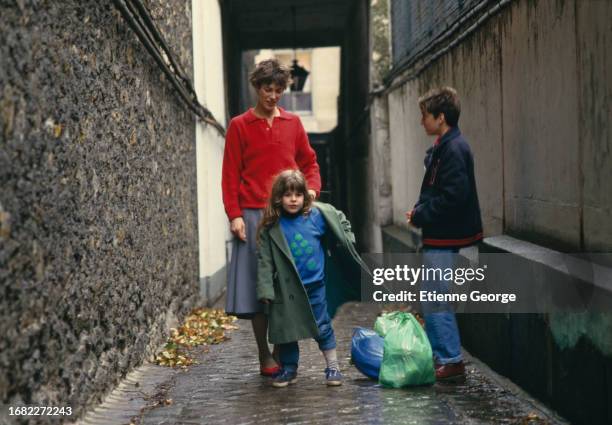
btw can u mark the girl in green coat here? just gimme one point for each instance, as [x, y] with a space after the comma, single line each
[291, 272]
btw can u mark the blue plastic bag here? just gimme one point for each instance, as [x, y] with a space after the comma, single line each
[367, 351]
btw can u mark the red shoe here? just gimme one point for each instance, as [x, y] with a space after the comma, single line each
[269, 371]
[450, 371]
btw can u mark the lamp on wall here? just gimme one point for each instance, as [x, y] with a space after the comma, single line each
[299, 74]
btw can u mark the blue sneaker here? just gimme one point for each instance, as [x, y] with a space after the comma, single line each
[284, 378]
[333, 377]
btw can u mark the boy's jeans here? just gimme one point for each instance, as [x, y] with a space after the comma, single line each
[440, 322]
[289, 353]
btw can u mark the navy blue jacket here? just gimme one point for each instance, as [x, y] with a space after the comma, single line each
[447, 210]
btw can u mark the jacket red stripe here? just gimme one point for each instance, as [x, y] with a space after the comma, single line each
[452, 242]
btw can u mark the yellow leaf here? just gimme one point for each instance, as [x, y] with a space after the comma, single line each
[57, 130]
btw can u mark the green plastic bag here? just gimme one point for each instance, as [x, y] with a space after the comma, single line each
[407, 357]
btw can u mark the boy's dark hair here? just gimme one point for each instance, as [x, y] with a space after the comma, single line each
[442, 100]
[270, 71]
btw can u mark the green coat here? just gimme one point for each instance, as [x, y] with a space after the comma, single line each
[289, 313]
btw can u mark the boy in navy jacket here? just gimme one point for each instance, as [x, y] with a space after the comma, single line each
[448, 214]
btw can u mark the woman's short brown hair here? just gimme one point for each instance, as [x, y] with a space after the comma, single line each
[442, 100]
[270, 71]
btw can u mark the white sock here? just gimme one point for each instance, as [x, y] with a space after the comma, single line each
[331, 358]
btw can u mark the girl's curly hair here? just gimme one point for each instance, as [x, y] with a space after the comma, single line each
[286, 181]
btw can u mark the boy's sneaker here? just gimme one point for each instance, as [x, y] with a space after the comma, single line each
[284, 378]
[333, 377]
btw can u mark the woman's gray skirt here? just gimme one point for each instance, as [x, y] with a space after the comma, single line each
[241, 295]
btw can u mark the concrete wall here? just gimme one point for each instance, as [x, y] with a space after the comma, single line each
[98, 239]
[564, 359]
[379, 172]
[408, 145]
[213, 228]
[593, 46]
[474, 70]
[379, 176]
[535, 87]
[540, 122]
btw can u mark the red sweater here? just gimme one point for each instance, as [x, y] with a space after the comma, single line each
[255, 153]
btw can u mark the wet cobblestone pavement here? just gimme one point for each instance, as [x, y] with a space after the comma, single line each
[226, 388]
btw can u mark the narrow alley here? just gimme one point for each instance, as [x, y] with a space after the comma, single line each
[225, 388]
[138, 136]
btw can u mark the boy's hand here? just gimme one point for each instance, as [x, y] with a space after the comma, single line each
[264, 301]
[409, 216]
[312, 194]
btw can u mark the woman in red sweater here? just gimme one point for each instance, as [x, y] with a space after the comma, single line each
[259, 144]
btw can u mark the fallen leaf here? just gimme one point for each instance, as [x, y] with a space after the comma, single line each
[57, 130]
[201, 327]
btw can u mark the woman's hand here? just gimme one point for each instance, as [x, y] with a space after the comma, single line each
[313, 194]
[238, 228]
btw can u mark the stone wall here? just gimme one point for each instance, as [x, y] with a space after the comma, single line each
[98, 224]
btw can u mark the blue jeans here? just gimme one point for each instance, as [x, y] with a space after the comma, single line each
[440, 322]
[289, 353]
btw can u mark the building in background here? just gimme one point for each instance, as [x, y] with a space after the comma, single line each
[317, 103]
